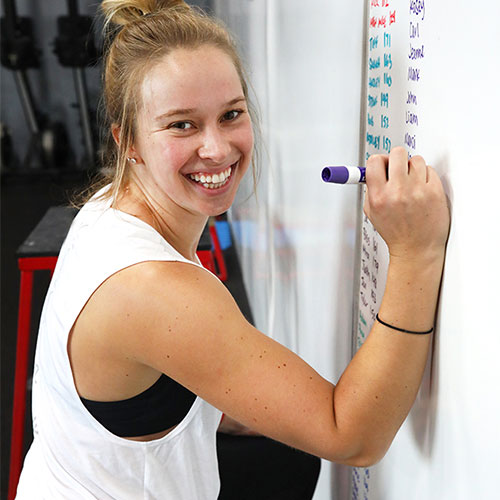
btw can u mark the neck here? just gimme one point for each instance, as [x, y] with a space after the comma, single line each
[181, 228]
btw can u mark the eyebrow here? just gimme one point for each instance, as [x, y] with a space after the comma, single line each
[187, 111]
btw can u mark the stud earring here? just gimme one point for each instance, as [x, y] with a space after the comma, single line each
[132, 160]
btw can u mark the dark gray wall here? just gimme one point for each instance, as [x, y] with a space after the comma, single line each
[52, 85]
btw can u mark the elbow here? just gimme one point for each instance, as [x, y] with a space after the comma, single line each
[358, 445]
[364, 459]
[361, 455]
[371, 450]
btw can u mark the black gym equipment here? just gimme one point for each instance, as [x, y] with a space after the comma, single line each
[75, 48]
[49, 145]
[8, 159]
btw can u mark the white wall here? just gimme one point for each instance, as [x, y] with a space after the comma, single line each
[296, 242]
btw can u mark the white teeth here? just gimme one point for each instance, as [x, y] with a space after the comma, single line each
[212, 181]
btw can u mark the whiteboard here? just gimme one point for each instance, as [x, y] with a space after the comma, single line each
[433, 85]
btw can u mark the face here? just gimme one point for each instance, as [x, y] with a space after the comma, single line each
[194, 135]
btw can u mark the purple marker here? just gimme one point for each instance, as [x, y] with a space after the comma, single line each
[344, 175]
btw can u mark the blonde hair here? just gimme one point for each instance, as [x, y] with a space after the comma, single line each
[138, 34]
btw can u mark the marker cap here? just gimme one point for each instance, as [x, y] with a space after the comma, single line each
[343, 175]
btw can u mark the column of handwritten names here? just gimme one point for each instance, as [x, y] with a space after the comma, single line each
[382, 18]
[415, 55]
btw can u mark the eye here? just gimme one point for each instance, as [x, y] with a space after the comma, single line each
[232, 115]
[181, 125]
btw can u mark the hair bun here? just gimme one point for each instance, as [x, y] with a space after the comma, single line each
[122, 12]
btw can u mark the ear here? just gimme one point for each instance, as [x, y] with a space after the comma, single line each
[132, 153]
[115, 132]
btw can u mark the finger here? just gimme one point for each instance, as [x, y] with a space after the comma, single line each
[376, 180]
[398, 165]
[434, 179]
[417, 169]
[376, 170]
[366, 206]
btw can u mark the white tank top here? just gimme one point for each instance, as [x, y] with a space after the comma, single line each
[73, 456]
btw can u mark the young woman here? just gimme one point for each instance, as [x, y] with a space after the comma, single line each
[141, 349]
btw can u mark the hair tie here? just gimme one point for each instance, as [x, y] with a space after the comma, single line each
[402, 329]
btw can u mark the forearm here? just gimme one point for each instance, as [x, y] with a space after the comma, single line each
[378, 388]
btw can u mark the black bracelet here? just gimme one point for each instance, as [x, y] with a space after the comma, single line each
[401, 329]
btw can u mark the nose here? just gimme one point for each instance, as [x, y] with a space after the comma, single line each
[215, 145]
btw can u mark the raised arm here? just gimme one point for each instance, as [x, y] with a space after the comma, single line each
[183, 322]
[410, 212]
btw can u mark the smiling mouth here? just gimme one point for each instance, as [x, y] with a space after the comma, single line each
[213, 181]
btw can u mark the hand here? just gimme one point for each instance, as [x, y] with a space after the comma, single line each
[406, 203]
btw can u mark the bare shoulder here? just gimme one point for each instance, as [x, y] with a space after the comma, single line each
[175, 292]
[179, 319]
[177, 306]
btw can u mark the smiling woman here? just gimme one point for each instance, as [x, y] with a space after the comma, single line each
[142, 35]
[191, 121]
[141, 349]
